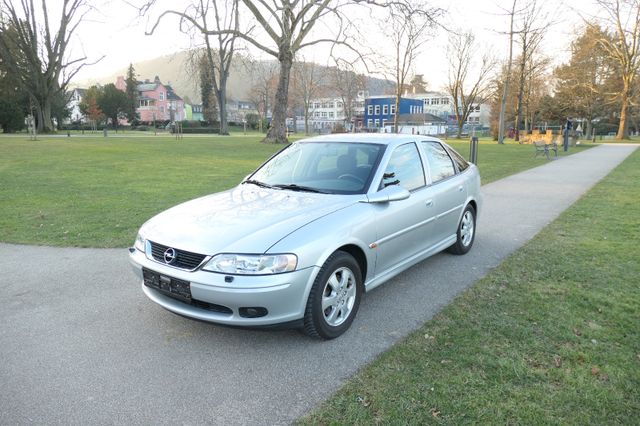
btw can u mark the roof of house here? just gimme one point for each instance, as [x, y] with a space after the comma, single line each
[147, 87]
[420, 119]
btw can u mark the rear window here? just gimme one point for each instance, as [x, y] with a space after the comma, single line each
[461, 163]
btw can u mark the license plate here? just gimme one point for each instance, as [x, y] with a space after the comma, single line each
[172, 287]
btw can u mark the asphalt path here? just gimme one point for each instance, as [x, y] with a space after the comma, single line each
[81, 344]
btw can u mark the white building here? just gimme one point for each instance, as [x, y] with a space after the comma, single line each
[441, 105]
[74, 105]
[326, 113]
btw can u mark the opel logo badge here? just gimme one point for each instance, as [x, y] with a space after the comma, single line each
[169, 256]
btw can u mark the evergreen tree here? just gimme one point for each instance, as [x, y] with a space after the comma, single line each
[209, 110]
[131, 109]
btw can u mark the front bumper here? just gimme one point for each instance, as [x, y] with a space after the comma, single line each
[284, 296]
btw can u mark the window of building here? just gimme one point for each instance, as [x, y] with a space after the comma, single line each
[316, 105]
[369, 122]
[339, 105]
[324, 114]
[384, 122]
[440, 163]
[477, 108]
[316, 114]
[370, 110]
[331, 104]
[377, 109]
[404, 168]
[385, 109]
[377, 122]
[331, 114]
[445, 101]
[162, 109]
[393, 109]
[325, 105]
[161, 94]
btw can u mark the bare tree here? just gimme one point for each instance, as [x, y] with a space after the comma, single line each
[34, 50]
[536, 88]
[265, 77]
[347, 83]
[464, 89]
[530, 34]
[407, 32]
[505, 87]
[283, 28]
[622, 45]
[208, 19]
[307, 85]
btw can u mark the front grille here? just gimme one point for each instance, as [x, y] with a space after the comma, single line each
[183, 259]
[211, 307]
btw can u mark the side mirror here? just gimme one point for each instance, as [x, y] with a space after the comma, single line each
[388, 194]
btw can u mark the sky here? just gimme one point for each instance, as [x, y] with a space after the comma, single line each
[114, 29]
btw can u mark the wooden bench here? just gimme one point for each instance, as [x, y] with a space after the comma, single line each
[544, 148]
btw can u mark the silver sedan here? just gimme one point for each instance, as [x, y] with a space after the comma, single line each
[300, 240]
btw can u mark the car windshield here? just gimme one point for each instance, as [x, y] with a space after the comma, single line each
[326, 167]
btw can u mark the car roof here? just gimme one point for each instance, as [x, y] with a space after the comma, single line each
[377, 138]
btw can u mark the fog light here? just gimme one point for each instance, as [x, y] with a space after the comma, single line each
[253, 312]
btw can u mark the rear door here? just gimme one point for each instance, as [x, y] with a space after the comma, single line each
[449, 191]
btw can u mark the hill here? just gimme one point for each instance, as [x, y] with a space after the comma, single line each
[176, 69]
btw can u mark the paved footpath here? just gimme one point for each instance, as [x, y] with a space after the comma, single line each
[80, 344]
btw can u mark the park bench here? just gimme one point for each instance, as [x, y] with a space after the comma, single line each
[544, 148]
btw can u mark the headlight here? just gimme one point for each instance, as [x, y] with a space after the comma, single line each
[252, 264]
[139, 243]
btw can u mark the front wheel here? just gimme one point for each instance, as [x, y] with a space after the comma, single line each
[334, 298]
[466, 232]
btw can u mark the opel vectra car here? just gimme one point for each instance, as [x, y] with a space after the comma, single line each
[301, 239]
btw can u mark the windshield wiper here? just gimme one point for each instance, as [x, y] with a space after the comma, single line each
[294, 187]
[257, 183]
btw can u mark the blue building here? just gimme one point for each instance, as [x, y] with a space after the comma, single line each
[379, 110]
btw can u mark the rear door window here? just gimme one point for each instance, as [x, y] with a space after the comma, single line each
[440, 163]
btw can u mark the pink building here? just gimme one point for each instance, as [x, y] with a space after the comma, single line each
[156, 101]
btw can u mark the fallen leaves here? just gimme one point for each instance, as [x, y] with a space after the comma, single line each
[557, 361]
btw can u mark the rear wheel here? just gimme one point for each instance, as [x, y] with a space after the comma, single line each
[334, 298]
[466, 232]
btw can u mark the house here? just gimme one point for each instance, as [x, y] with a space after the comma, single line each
[419, 124]
[380, 110]
[156, 101]
[441, 105]
[74, 105]
[196, 112]
[328, 112]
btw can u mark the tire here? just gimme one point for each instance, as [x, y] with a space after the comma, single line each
[466, 232]
[338, 287]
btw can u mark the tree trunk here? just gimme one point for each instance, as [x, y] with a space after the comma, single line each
[589, 129]
[306, 118]
[397, 114]
[460, 125]
[278, 131]
[47, 124]
[623, 128]
[221, 97]
[505, 88]
[520, 94]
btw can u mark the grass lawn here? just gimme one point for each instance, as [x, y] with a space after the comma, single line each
[552, 336]
[91, 191]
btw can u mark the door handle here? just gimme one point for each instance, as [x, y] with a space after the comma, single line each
[429, 203]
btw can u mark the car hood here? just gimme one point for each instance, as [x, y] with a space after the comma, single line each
[245, 219]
